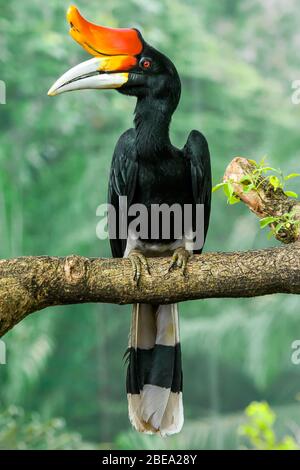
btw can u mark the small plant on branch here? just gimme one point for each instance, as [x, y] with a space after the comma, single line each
[258, 184]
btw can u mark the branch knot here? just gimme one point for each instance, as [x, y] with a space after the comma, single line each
[75, 269]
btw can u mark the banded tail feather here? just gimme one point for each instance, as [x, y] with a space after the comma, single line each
[154, 375]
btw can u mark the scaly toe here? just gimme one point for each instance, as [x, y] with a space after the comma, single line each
[138, 260]
[179, 260]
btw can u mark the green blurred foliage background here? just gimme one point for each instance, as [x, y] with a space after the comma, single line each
[237, 60]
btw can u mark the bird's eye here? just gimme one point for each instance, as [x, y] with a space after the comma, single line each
[145, 63]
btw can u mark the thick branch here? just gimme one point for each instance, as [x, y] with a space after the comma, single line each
[32, 283]
[29, 284]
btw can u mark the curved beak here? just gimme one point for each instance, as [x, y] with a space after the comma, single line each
[94, 73]
[114, 52]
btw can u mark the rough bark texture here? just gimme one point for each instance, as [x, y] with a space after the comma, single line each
[32, 283]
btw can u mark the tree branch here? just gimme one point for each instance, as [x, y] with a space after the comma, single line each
[29, 284]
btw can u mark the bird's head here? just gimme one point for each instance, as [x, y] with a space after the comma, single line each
[122, 61]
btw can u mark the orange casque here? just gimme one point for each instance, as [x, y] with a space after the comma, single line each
[120, 45]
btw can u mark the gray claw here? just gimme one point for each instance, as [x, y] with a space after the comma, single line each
[138, 260]
[179, 259]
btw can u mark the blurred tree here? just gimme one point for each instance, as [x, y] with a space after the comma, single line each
[21, 432]
[236, 61]
[259, 429]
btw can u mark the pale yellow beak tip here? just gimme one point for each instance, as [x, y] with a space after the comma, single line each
[51, 92]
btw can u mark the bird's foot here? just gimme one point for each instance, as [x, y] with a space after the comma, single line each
[138, 260]
[179, 260]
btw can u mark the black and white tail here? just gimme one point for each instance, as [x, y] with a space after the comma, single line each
[154, 375]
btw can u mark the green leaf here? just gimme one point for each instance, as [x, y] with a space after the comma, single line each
[234, 200]
[275, 182]
[217, 186]
[245, 179]
[262, 161]
[291, 194]
[269, 168]
[279, 227]
[248, 188]
[267, 221]
[228, 189]
[253, 162]
[292, 175]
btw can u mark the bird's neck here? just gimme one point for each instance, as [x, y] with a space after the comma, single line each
[152, 122]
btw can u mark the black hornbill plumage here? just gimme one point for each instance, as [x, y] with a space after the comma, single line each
[148, 170]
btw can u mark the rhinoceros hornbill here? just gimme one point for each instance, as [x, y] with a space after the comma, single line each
[148, 170]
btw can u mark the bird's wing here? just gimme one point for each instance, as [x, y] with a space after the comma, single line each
[196, 150]
[122, 182]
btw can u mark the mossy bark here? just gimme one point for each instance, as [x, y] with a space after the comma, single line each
[29, 284]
